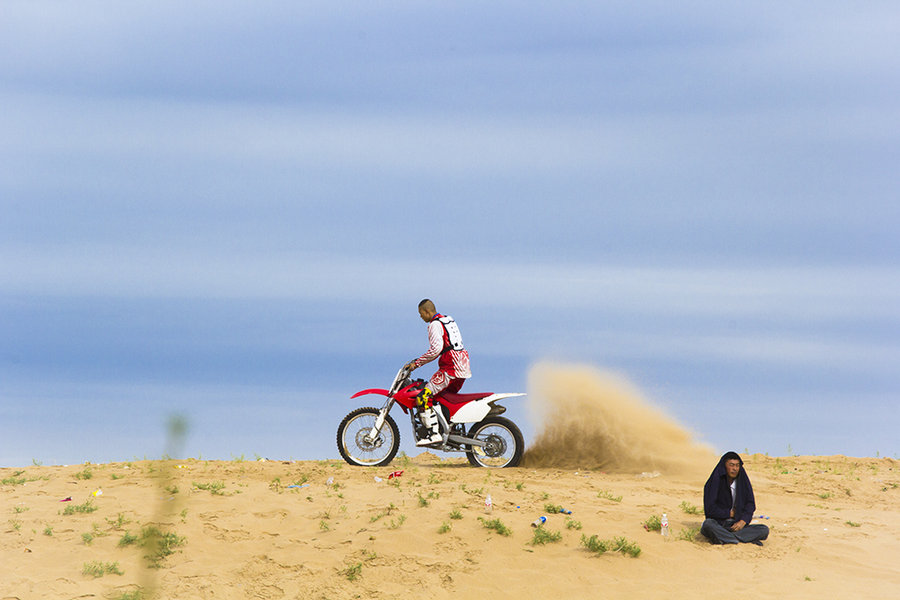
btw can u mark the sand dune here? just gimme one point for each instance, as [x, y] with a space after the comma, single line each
[278, 530]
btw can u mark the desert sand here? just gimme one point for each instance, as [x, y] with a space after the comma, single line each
[272, 529]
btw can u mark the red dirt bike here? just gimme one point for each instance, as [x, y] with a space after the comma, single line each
[369, 436]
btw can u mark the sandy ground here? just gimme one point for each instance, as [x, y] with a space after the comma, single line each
[279, 530]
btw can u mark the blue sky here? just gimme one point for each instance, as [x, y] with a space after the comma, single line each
[229, 211]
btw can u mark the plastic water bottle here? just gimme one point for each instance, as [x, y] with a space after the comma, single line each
[539, 521]
[488, 504]
[664, 526]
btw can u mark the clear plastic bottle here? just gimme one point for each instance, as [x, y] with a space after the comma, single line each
[539, 521]
[488, 504]
[664, 526]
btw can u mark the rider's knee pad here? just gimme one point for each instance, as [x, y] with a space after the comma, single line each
[423, 400]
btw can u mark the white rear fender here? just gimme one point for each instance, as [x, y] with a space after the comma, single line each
[475, 411]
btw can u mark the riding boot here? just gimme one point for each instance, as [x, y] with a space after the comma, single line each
[430, 421]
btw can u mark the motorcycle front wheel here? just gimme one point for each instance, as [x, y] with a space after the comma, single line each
[503, 446]
[354, 446]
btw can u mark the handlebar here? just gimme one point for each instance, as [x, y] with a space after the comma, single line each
[402, 375]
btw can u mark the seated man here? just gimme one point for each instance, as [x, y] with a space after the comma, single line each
[729, 504]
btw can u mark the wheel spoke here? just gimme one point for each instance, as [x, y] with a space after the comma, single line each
[499, 448]
[357, 448]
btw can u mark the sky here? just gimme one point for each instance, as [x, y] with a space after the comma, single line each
[228, 212]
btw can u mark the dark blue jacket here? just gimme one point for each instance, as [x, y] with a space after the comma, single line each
[717, 494]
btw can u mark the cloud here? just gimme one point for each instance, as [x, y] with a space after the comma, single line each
[812, 292]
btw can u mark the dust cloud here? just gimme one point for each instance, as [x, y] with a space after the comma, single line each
[591, 419]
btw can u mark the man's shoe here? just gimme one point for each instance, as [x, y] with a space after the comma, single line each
[435, 438]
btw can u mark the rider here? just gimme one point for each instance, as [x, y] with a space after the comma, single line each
[444, 341]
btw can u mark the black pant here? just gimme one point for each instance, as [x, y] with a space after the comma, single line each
[720, 533]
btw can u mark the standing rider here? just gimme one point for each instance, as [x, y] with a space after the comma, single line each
[444, 343]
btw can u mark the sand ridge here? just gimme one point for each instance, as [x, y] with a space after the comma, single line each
[278, 530]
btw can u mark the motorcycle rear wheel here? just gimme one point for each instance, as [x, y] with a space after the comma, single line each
[504, 443]
[352, 443]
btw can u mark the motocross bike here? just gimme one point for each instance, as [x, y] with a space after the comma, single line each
[369, 436]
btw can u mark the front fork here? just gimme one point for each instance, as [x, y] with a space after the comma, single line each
[372, 438]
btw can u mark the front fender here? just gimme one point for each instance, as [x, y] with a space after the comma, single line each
[370, 391]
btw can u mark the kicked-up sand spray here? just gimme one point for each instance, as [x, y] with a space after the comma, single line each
[592, 419]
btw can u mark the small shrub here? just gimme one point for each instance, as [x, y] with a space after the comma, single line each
[87, 538]
[99, 569]
[119, 522]
[573, 524]
[852, 524]
[444, 528]
[396, 524]
[127, 539]
[688, 534]
[689, 508]
[622, 545]
[353, 573]
[542, 536]
[609, 496]
[14, 479]
[619, 544]
[653, 523]
[86, 507]
[86, 474]
[158, 544]
[214, 487]
[496, 525]
[456, 515]
[594, 544]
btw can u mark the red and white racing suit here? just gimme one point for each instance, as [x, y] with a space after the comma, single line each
[445, 344]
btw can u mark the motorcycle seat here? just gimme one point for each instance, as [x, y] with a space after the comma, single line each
[451, 398]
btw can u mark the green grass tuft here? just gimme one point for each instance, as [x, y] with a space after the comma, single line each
[214, 487]
[353, 573]
[609, 496]
[653, 523]
[543, 536]
[85, 508]
[99, 569]
[618, 544]
[496, 525]
[158, 544]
